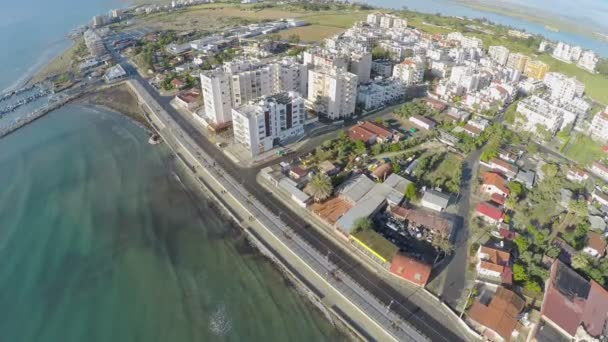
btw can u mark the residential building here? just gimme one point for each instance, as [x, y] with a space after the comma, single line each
[435, 200]
[538, 114]
[567, 53]
[517, 61]
[332, 92]
[599, 126]
[382, 68]
[600, 170]
[379, 93]
[526, 177]
[499, 54]
[260, 124]
[367, 131]
[494, 264]
[423, 220]
[498, 319]
[410, 71]
[494, 183]
[588, 61]
[297, 195]
[573, 306]
[422, 122]
[386, 20]
[361, 65]
[595, 245]
[293, 76]
[253, 82]
[322, 58]
[489, 213]
[536, 69]
[410, 269]
[94, 43]
[188, 100]
[506, 168]
[563, 88]
[216, 96]
[576, 175]
[115, 73]
[600, 197]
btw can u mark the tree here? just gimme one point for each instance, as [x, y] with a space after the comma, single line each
[410, 192]
[396, 167]
[361, 224]
[519, 273]
[379, 53]
[580, 261]
[320, 186]
[550, 170]
[360, 147]
[522, 243]
[532, 286]
[515, 188]
[294, 38]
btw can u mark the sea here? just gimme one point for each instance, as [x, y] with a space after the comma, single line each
[103, 237]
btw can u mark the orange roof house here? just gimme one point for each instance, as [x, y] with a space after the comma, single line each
[410, 269]
[498, 319]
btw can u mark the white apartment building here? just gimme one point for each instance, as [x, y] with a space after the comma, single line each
[588, 61]
[499, 54]
[382, 68]
[567, 53]
[332, 92]
[254, 83]
[386, 20]
[537, 111]
[293, 76]
[563, 88]
[361, 65]
[410, 71]
[216, 92]
[441, 69]
[379, 93]
[599, 126]
[322, 58]
[465, 42]
[262, 123]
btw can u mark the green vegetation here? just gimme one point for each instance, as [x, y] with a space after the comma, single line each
[584, 150]
[361, 224]
[411, 193]
[377, 243]
[412, 108]
[320, 186]
[380, 53]
[311, 33]
[442, 170]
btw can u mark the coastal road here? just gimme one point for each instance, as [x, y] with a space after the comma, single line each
[414, 315]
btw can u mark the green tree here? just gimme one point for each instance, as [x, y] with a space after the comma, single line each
[550, 170]
[522, 243]
[379, 53]
[519, 273]
[515, 188]
[320, 187]
[532, 286]
[396, 168]
[360, 147]
[361, 224]
[580, 261]
[294, 38]
[411, 193]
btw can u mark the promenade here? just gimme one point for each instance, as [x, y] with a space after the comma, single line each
[339, 291]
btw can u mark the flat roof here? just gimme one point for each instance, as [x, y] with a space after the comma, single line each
[376, 244]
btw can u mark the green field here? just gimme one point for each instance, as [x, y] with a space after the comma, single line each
[311, 33]
[584, 150]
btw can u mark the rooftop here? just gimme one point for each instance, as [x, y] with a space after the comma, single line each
[376, 244]
[488, 210]
[410, 269]
[436, 197]
[501, 314]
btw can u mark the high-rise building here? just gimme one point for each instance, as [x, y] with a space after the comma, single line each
[361, 65]
[94, 43]
[499, 53]
[599, 126]
[563, 88]
[217, 97]
[588, 61]
[251, 84]
[536, 69]
[517, 61]
[386, 20]
[293, 76]
[332, 92]
[410, 71]
[262, 123]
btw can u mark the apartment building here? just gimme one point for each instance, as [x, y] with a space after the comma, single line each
[262, 123]
[563, 88]
[599, 126]
[361, 65]
[567, 53]
[379, 93]
[332, 92]
[499, 54]
[215, 86]
[536, 69]
[293, 76]
[538, 112]
[588, 61]
[517, 61]
[386, 20]
[410, 71]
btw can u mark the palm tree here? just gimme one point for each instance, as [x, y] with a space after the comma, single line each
[320, 187]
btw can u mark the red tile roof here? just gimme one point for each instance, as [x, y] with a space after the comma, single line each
[506, 234]
[472, 129]
[496, 198]
[501, 314]
[490, 211]
[422, 218]
[495, 255]
[595, 315]
[410, 269]
[503, 164]
[359, 133]
[493, 178]
[376, 129]
[424, 120]
[600, 166]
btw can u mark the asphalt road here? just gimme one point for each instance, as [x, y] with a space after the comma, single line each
[400, 304]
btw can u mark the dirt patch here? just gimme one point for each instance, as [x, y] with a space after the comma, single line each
[118, 98]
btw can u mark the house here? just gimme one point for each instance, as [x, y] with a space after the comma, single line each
[600, 197]
[576, 175]
[177, 83]
[422, 122]
[573, 306]
[435, 200]
[382, 134]
[423, 219]
[498, 319]
[410, 269]
[471, 130]
[328, 168]
[297, 195]
[494, 264]
[600, 170]
[188, 100]
[506, 168]
[381, 172]
[494, 183]
[595, 245]
[489, 213]
[434, 104]
[526, 178]
[497, 199]
[297, 173]
[508, 156]
[456, 115]
[361, 134]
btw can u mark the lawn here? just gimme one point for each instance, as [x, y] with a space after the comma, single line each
[376, 243]
[342, 20]
[311, 33]
[584, 150]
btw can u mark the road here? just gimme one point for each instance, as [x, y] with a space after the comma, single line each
[399, 304]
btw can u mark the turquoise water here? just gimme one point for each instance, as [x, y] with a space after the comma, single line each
[99, 241]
